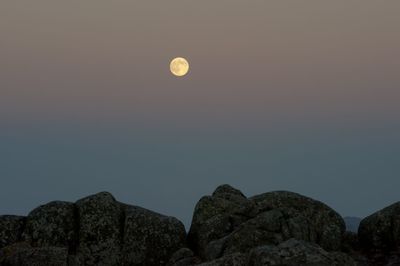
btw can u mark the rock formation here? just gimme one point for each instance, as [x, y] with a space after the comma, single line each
[228, 228]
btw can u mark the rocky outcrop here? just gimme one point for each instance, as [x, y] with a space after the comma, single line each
[227, 222]
[96, 230]
[228, 228]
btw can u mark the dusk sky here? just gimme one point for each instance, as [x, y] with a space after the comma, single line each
[281, 95]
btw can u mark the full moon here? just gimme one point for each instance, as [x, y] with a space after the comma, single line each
[179, 66]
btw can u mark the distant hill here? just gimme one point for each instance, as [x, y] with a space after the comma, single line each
[352, 223]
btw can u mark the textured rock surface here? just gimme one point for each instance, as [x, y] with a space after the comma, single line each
[217, 216]
[227, 222]
[306, 219]
[11, 228]
[22, 254]
[381, 230]
[297, 252]
[150, 238]
[100, 232]
[275, 228]
[52, 224]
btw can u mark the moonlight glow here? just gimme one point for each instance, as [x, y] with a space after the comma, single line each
[179, 66]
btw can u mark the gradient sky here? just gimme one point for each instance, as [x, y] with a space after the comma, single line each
[289, 95]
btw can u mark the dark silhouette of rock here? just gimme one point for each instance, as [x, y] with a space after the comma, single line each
[274, 228]
[379, 236]
[11, 228]
[52, 224]
[150, 238]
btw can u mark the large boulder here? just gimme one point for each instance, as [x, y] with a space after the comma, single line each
[52, 224]
[150, 238]
[22, 254]
[306, 219]
[11, 227]
[380, 231]
[227, 222]
[100, 230]
[297, 253]
[217, 216]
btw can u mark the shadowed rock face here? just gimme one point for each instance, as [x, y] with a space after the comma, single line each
[381, 230]
[274, 228]
[379, 235]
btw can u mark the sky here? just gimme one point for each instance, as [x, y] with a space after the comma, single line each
[281, 95]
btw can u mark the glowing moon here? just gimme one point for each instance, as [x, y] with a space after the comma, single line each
[179, 66]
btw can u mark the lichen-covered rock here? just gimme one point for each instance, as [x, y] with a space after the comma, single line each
[307, 219]
[296, 252]
[381, 231]
[227, 222]
[268, 228]
[150, 238]
[100, 226]
[218, 215]
[52, 224]
[11, 227]
[22, 254]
